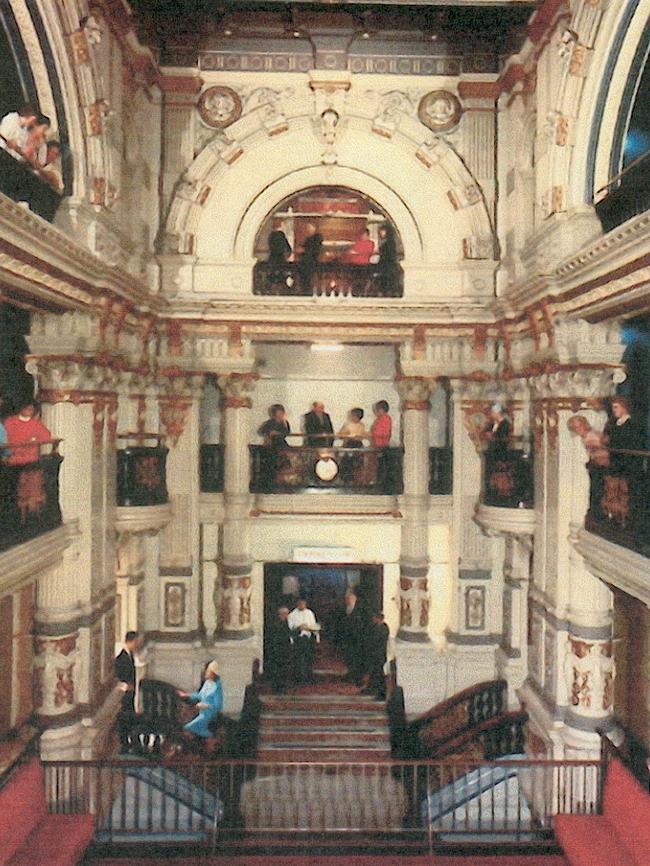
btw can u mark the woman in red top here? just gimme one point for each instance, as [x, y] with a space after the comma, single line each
[382, 427]
[21, 429]
[361, 250]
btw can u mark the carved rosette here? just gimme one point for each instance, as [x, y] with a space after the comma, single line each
[54, 674]
[589, 671]
[237, 389]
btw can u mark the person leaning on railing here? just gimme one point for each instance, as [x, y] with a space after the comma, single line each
[22, 430]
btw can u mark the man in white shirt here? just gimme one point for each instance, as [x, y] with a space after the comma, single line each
[304, 629]
[14, 130]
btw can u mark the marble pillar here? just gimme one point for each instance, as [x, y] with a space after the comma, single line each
[414, 557]
[234, 598]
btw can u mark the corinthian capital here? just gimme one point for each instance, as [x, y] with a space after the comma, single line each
[237, 389]
[414, 391]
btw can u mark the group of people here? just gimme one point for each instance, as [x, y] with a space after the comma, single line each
[319, 431]
[362, 252]
[23, 134]
[291, 647]
[25, 432]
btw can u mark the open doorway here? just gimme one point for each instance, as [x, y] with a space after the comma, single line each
[324, 587]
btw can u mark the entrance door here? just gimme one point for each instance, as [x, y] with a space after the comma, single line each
[324, 587]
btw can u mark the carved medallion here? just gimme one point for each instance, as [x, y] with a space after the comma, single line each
[219, 107]
[326, 469]
[440, 110]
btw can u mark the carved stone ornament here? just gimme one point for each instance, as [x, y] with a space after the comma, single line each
[440, 110]
[219, 106]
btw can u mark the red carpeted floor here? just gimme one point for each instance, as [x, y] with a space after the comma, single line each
[351, 860]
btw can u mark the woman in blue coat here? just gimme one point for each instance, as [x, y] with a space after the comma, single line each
[208, 700]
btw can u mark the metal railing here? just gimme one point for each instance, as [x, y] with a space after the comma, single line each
[142, 470]
[19, 182]
[208, 804]
[299, 468]
[328, 279]
[29, 491]
[619, 497]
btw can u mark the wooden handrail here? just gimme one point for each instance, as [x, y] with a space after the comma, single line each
[503, 720]
[459, 698]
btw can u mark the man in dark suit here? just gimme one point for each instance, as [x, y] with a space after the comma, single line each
[353, 636]
[376, 653]
[317, 424]
[279, 650]
[125, 672]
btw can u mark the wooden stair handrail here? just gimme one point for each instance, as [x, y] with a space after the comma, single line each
[460, 697]
[504, 720]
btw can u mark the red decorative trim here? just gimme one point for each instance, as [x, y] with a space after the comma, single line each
[479, 89]
[543, 19]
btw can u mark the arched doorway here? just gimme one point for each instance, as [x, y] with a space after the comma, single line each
[358, 246]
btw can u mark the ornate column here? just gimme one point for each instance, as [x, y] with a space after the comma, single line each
[572, 666]
[234, 602]
[414, 558]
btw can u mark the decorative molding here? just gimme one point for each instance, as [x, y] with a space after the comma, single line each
[142, 519]
[614, 565]
[24, 563]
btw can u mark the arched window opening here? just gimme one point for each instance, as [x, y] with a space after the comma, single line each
[328, 240]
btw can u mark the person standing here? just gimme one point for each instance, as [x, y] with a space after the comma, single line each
[277, 428]
[497, 432]
[387, 266]
[361, 250]
[14, 130]
[376, 654]
[124, 667]
[382, 427]
[279, 648]
[353, 634]
[22, 429]
[308, 264]
[317, 425]
[304, 629]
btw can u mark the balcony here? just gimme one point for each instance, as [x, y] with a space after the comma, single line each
[141, 471]
[330, 279]
[20, 183]
[507, 478]
[440, 471]
[211, 469]
[29, 494]
[619, 500]
[300, 469]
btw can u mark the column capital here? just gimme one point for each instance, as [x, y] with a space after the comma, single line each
[237, 389]
[414, 392]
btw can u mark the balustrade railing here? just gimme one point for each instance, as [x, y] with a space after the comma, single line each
[20, 183]
[507, 480]
[206, 805]
[345, 470]
[212, 469]
[329, 279]
[440, 471]
[141, 470]
[619, 498]
[29, 491]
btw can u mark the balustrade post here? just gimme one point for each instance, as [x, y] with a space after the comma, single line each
[234, 602]
[414, 558]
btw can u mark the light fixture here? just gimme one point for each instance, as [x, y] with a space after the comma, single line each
[326, 347]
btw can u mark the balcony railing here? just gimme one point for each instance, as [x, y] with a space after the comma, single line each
[628, 194]
[29, 493]
[440, 471]
[141, 470]
[20, 183]
[507, 478]
[211, 469]
[330, 279]
[344, 470]
[619, 499]
[206, 806]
